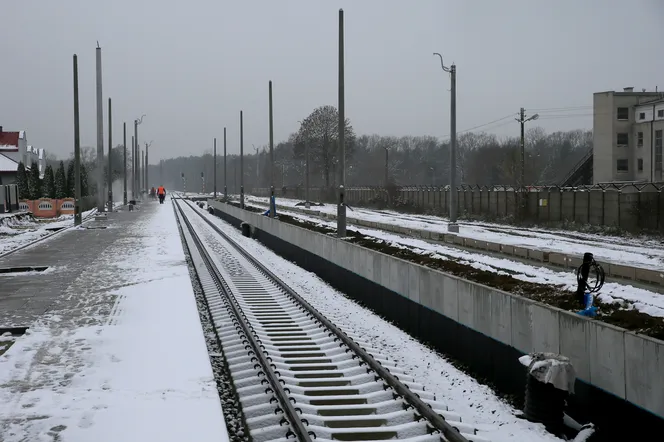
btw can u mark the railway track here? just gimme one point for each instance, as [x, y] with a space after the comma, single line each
[296, 374]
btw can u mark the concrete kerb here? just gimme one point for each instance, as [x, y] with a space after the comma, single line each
[653, 277]
[623, 363]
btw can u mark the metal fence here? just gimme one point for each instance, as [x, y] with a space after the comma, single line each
[630, 206]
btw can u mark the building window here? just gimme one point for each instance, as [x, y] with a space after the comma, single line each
[658, 150]
[622, 165]
[642, 115]
[640, 164]
[623, 139]
[639, 139]
[623, 113]
[660, 113]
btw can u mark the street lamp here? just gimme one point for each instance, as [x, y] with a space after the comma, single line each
[452, 226]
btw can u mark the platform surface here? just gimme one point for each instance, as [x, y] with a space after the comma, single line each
[115, 349]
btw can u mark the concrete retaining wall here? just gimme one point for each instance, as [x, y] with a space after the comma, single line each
[615, 270]
[607, 359]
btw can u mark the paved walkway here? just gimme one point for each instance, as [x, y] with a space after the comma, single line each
[115, 350]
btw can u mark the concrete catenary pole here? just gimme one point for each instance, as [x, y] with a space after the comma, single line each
[100, 137]
[110, 165]
[452, 226]
[241, 162]
[77, 151]
[133, 167]
[272, 202]
[124, 175]
[215, 168]
[147, 162]
[225, 169]
[142, 171]
[136, 160]
[307, 203]
[341, 207]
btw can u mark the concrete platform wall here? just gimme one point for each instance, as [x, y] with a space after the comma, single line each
[623, 363]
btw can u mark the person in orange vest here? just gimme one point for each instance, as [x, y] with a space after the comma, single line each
[161, 192]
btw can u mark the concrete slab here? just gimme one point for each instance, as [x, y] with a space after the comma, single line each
[644, 366]
[606, 346]
[399, 276]
[522, 336]
[574, 341]
[465, 303]
[500, 319]
[426, 293]
[521, 252]
[622, 271]
[545, 329]
[480, 298]
[652, 276]
[538, 255]
[558, 259]
[415, 275]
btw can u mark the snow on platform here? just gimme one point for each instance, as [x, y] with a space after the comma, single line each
[633, 251]
[120, 354]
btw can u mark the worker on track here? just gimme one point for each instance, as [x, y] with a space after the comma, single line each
[161, 192]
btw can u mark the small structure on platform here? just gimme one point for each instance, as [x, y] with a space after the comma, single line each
[550, 380]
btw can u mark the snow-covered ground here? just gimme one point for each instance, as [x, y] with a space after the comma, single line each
[15, 232]
[635, 251]
[475, 402]
[140, 373]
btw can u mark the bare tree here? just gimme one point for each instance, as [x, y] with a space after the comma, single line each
[320, 131]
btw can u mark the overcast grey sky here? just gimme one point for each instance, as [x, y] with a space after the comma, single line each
[191, 66]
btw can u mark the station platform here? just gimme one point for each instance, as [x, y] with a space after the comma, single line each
[114, 349]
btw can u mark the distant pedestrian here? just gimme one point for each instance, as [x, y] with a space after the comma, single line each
[161, 192]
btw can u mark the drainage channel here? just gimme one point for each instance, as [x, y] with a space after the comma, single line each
[339, 390]
[22, 269]
[8, 336]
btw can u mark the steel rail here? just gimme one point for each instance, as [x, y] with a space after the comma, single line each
[437, 421]
[297, 426]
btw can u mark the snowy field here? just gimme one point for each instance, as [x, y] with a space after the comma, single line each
[635, 251]
[475, 402]
[138, 373]
[645, 301]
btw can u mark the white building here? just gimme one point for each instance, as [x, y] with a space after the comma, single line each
[627, 136]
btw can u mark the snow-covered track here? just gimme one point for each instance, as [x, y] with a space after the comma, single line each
[297, 374]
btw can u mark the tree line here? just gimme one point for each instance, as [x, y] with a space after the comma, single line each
[371, 160]
[374, 160]
[56, 185]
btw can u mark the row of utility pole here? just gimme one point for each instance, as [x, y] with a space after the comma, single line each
[139, 169]
[341, 207]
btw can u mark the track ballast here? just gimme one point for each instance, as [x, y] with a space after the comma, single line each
[297, 375]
